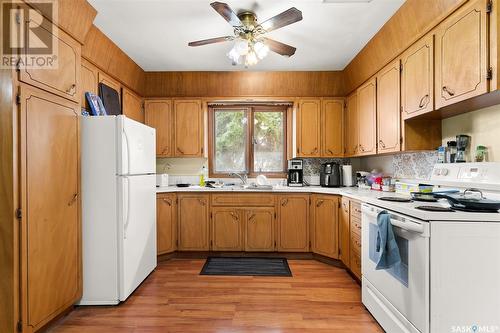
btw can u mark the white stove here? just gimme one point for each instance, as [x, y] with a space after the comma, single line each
[449, 277]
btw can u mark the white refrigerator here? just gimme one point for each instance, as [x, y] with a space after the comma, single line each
[118, 207]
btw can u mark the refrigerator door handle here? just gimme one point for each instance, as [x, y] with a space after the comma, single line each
[127, 150]
[126, 204]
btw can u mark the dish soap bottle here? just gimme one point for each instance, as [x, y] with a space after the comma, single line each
[202, 177]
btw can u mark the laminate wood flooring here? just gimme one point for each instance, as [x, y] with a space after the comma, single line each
[174, 298]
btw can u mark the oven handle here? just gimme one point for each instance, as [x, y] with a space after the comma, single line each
[402, 223]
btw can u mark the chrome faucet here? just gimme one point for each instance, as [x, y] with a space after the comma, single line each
[243, 177]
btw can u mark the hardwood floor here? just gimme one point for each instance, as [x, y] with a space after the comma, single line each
[318, 298]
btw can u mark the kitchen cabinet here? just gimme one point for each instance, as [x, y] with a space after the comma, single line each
[355, 238]
[132, 105]
[50, 226]
[89, 81]
[159, 115]
[188, 128]
[324, 225]
[227, 229]
[462, 55]
[293, 223]
[110, 82]
[417, 78]
[332, 121]
[243, 199]
[308, 130]
[367, 118]
[260, 229]
[351, 126]
[193, 222]
[389, 109]
[166, 223]
[344, 231]
[64, 79]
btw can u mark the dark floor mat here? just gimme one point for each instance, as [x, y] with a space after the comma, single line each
[246, 266]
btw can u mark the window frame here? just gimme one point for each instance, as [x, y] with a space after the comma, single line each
[249, 109]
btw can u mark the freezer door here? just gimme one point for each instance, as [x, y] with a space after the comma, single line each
[137, 231]
[136, 147]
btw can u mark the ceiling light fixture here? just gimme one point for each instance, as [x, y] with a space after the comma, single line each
[248, 52]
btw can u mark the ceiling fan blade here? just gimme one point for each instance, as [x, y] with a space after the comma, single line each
[280, 48]
[211, 41]
[227, 13]
[288, 17]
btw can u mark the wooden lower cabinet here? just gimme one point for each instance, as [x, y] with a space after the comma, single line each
[166, 223]
[355, 238]
[324, 225]
[260, 230]
[227, 229]
[293, 223]
[193, 222]
[344, 231]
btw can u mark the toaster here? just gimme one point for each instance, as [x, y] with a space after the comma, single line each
[161, 179]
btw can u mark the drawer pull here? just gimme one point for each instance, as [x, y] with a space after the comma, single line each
[251, 217]
[330, 152]
[73, 200]
[448, 90]
[382, 144]
[167, 201]
[71, 89]
[319, 203]
[284, 202]
[235, 217]
[202, 202]
[423, 101]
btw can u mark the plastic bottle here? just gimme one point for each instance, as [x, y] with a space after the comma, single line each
[202, 177]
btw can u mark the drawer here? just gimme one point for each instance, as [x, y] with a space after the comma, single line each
[355, 209]
[63, 79]
[356, 264]
[345, 205]
[356, 243]
[246, 200]
[355, 225]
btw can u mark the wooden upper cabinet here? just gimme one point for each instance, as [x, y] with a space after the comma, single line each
[260, 229]
[188, 128]
[308, 130]
[51, 227]
[89, 79]
[193, 222]
[367, 118]
[227, 228]
[344, 231]
[332, 124]
[132, 105]
[324, 226]
[351, 126]
[158, 114]
[389, 109]
[293, 223]
[110, 82]
[166, 223]
[417, 78]
[64, 78]
[462, 55]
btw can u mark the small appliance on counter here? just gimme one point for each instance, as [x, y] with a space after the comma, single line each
[330, 175]
[295, 173]
[161, 179]
[463, 142]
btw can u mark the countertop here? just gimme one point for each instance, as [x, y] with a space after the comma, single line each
[366, 196]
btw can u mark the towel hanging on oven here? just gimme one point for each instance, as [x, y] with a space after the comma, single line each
[386, 242]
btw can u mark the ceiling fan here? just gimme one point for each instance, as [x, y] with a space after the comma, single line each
[251, 46]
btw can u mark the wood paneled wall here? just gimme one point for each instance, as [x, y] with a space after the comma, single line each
[102, 52]
[409, 23]
[229, 84]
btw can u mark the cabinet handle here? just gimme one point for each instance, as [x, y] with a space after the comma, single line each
[73, 200]
[448, 90]
[315, 150]
[235, 217]
[71, 88]
[251, 217]
[331, 152]
[381, 143]
[202, 202]
[423, 101]
[284, 202]
[319, 203]
[167, 201]
[180, 150]
[355, 148]
[361, 148]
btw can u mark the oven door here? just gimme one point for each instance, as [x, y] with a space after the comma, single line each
[405, 286]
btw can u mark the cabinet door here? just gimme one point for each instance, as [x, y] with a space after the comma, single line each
[332, 124]
[367, 118]
[461, 55]
[389, 109]
[51, 227]
[132, 105]
[293, 223]
[166, 223]
[344, 232]
[324, 228]
[308, 130]
[158, 114]
[110, 82]
[351, 132]
[193, 222]
[259, 235]
[226, 229]
[417, 78]
[89, 82]
[188, 128]
[64, 78]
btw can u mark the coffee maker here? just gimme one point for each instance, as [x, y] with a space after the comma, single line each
[330, 175]
[295, 173]
[462, 145]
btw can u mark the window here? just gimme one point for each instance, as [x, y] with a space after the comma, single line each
[248, 139]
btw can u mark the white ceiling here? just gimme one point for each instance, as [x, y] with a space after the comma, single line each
[155, 33]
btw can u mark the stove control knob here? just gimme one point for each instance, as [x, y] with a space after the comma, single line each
[444, 172]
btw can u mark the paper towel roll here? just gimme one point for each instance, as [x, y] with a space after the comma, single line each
[347, 175]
